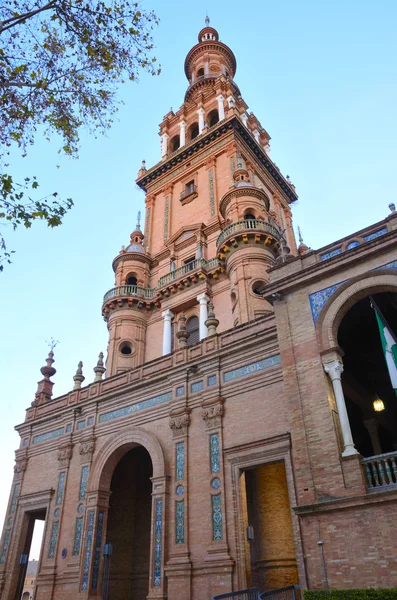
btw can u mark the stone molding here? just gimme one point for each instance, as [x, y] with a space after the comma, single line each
[65, 452]
[179, 422]
[212, 413]
[87, 448]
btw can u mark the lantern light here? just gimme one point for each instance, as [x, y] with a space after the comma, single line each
[378, 405]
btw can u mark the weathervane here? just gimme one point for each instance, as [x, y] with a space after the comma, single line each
[138, 220]
[52, 343]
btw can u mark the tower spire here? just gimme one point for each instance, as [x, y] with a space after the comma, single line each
[207, 19]
[138, 221]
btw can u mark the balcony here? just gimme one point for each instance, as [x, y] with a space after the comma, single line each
[130, 290]
[188, 193]
[195, 265]
[246, 226]
[381, 471]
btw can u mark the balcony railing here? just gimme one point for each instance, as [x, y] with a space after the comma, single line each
[381, 470]
[194, 265]
[190, 189]
[130, 290]
[248, 225]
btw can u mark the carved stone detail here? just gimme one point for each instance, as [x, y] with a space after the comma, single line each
[179, 422]
[20, 465]
[65, 452]
[87, 448]
[212, 413]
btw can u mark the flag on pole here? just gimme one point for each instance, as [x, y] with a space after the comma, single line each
[389, 347]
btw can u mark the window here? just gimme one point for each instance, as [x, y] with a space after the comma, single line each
[213, 117]
[200, 73]
[193, 330]
[131, 280]
[249, 216]
[193, 131]
[174, 143]
[190, 263]
[189, 187]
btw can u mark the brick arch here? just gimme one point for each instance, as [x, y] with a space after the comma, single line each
[348, 294]
[114, 449]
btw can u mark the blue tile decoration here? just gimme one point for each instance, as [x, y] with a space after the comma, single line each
[180, 522]
[61, 487]
[166, 215]
[352, 245]
[197, 386]
[211, 380]
[9, 522]
[77, 536]
[158, 541]
[390, 265]
[90, 421]
[97, 551]
[127, 410]
[80, 425]
[80, 509]
[83, 482]
[53, 540]
[88, 547]
[15, 497]
[43, 437]
[252, 368]
[57, 513]
[212, 197]
[320, 298]
[68, 428]
[215, 453]
[26, 442]
[180, 490]
[376, 234]
[331, 254]
[5, 547]
[180, 391]
[180, 461]
[232, 164]
[217, 518]
[216, 483]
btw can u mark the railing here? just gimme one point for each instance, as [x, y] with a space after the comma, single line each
[291, 592]
[250, 594]
[191, 189]
[247, 225]
[381, 470]
[199, 263]
[130, 290]
[202, 78]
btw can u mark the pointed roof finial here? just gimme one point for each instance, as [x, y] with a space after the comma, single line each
[79, 377]
[207, 19]
[99, 369]
[300, 235]
[138, 221]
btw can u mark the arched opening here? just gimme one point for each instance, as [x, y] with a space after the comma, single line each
[193, 131]
[128, 526]
[193, 329]
[200, 73]
[249, 216]
[131, 280]
[366, 377]
[213, 117]
[174, 144]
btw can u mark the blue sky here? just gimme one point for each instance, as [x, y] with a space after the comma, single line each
[321, 78]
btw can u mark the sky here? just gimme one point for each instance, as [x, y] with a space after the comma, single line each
[321, 78]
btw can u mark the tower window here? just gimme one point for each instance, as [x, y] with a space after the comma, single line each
[125, 348]
[200, 73]
[131, 280]
[249, 216]
[193, 329]
[193, 131]
[213, 117]
[175, 143]
[190, 263]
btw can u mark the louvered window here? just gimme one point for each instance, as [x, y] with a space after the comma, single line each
[193, 331]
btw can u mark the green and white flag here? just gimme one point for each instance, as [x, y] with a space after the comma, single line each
[389, 349]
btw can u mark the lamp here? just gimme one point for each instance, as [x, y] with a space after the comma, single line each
[378, 405]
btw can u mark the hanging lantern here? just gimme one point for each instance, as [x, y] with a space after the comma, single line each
[378, 405]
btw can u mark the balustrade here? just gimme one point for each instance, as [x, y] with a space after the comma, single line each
[248, 225]
[381, 470]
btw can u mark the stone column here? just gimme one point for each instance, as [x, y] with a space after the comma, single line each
[203, 300]
[221, 107]
[182, 133]
[164, 145]
[334, 369]
[201, 114]
[256, 135]
[372, 425]
[244, 118]
[167, 331]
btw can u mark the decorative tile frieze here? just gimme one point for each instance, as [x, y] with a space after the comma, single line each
[87, 448]
[83, 482]
[180, 391]
[252, 368]
[331, 254]
[180, 522]
[390, 265]
[97, 551]
[77, 536]
[179, 422]
[320, 298]
[212, 413]
[376, 234]
[180, 490]
[158, 541]
[217, 517]
[166, 217]
[15, 495]
[61, 487]
[211, 380]
[127, 410]
[216, 483]
[5, 546]
[215, 459]
[197, 386]
[88, 549]
[53, 540]
[65, 452]
[43, 437]
[212, 196]
[180, 461]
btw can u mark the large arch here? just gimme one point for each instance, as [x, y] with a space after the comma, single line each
[113, 450]
[353, 290]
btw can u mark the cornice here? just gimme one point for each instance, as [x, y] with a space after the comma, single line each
[243, 191]
[138, 256]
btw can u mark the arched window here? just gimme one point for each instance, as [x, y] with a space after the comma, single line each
[193, 131]
[249, 216]
[131, 280]
[200, 73]
[174, 143]
[193, 330]
[213, 117]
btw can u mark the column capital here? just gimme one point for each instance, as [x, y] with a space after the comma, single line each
[182, 123]
[203, 298]
[167, 315]
[165, 135]
[334, 369]
[220, 98]
[201, 111]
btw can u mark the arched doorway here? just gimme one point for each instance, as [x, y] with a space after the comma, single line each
[129, 525]
[365, 376]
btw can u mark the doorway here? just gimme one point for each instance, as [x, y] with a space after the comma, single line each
[129, 526]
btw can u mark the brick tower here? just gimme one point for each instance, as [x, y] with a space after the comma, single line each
[217, 219]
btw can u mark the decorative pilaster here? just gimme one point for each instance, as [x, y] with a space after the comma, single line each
[182, 333]
[201, 114]
[221, 107]
[182, 133]
[167, 331]
[203, 301]
[164, 145]
[334, 369]
[156, 572]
